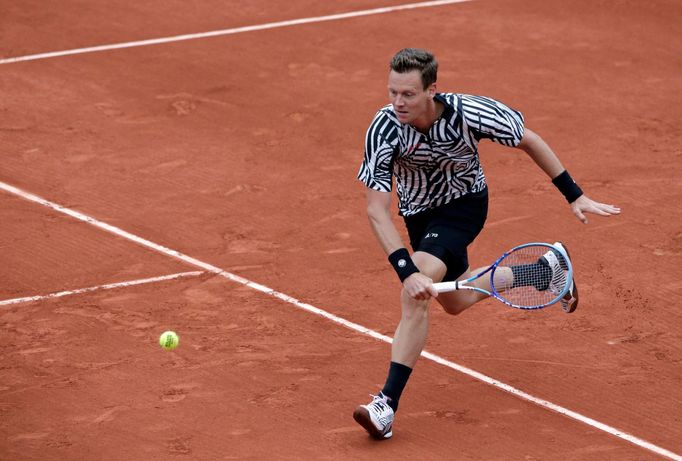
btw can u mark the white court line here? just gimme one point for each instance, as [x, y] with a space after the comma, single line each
[236, 30]
[108, 286]
[348, 324]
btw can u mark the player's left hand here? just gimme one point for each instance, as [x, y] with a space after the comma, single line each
[584, 204]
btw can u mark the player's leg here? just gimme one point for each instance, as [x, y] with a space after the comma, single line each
[456, 302]
[440, 238]
[448, 236]
[408, 343]
[412, 330]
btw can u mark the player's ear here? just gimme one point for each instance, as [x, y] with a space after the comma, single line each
[432, 90]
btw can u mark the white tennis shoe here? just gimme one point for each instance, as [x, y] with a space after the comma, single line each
[569, 302]
[376, 417]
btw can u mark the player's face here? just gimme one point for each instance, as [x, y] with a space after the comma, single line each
[407, 94]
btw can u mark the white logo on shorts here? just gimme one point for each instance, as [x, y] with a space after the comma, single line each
[431, 235]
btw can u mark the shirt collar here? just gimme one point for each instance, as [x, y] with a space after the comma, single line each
[448, 111]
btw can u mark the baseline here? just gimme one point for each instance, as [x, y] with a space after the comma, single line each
[341, 321]
[236, 30]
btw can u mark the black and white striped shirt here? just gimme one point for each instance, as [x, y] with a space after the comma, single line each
[435, 168]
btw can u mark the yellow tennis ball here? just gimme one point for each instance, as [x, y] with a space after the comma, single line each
[169, 340]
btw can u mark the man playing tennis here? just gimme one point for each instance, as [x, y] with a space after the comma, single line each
[429, 142]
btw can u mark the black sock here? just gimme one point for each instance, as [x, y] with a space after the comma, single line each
[538, 275]
[398, 374]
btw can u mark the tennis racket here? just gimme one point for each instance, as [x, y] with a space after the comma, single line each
[529, 276]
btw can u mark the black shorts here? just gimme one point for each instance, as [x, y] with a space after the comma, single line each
[446, 232]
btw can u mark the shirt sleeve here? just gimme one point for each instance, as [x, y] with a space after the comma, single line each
[490, 119]
[381, 140]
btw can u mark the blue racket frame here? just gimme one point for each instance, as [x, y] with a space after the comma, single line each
[443, 287]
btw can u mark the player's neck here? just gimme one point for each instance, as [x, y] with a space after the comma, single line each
[433, 113]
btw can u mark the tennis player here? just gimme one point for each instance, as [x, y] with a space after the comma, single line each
[429, 142]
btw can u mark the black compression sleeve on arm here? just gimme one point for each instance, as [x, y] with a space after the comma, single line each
[402, 263]
[567, 186]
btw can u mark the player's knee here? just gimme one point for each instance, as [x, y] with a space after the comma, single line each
[413, 309]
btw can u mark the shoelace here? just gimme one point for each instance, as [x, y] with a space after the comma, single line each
[381, 410]
[378, 403]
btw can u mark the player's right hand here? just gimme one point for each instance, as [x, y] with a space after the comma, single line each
[419, 286]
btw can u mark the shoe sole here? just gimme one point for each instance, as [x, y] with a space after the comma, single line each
[572, 301]
[361, 416]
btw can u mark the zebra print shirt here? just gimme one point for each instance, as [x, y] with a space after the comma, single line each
[433, 169]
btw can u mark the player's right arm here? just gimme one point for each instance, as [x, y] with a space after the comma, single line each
[381, 221]
[417, 285]
[376, 173]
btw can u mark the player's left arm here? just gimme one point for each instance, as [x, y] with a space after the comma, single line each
[538, 150]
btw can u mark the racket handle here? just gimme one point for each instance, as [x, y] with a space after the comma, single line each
[444, 287]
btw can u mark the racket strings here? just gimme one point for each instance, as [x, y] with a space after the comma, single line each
[538, 275]
[532, 276]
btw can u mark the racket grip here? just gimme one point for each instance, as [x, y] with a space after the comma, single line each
[444, 287]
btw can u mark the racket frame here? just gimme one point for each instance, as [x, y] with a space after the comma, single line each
[444, 287]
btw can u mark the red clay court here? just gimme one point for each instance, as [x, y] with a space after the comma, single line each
[205, 183]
